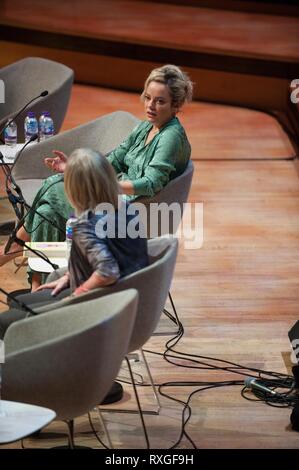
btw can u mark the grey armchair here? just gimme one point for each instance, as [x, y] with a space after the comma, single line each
[66, 359]
[102, 134]
[26, 79]
[175, 192]
[152, 283]
[175, 195]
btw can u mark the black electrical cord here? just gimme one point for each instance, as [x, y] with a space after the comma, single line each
[20, 200]
[278, 380]
[21, 304]
[11, 185]
[95, 432]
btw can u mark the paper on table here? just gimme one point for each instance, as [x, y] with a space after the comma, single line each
[51, 249]
[10, 152]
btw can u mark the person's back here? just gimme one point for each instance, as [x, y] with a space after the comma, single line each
[99, 237]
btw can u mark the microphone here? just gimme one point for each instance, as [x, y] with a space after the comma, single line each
[255, 385]
[5, 166]
[41, 95]
[32, 139]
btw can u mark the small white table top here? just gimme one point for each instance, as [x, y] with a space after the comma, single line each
[18, 420]
[10, 153]
[41, 266]
[57, 253]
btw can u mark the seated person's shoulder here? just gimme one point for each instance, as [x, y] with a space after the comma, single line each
[174, 130]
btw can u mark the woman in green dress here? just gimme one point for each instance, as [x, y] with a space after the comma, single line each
[155, 152]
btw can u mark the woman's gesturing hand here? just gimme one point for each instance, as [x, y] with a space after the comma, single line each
[57, 285]
[56, 163]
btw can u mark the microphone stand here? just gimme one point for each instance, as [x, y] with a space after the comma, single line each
[42, 95]
[13, 238]
[38, 253]
[19, 302]
[20, 212]
[9, 178]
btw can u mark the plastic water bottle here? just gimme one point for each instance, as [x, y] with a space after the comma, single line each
[69, 231]
[30, 126]
[46, 126]
[11, 133]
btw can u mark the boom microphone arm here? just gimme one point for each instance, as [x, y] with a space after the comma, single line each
[19, 302]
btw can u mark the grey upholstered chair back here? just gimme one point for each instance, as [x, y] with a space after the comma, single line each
[102, 134]
[26, 79]
[152, 283]
[67, 359]
[174, 194]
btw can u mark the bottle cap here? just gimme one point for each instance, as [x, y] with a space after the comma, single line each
[30, 114]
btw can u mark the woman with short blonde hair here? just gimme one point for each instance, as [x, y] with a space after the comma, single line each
[177, 81]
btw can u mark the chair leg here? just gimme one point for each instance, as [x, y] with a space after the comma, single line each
[172, 316]
[138, 377]
[70, 428]
[138, 405]
[140, 382]
[71, 431]
[156, 395]
[102, 421]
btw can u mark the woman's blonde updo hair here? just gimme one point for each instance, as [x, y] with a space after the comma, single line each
[89, 180]
[179, 84]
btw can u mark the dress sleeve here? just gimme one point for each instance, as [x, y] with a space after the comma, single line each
[157, 173]
[96, 251]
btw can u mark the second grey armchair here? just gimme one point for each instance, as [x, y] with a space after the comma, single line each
[176, 192]
[67, 359]
[153, 284]
[27, 78]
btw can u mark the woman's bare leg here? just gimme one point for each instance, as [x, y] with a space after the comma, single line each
[35, 281]
[15, 250]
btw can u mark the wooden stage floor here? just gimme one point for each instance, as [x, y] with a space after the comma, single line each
[237, 295]
[139, 22]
